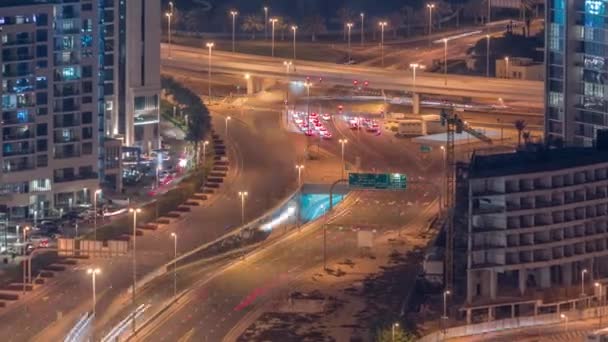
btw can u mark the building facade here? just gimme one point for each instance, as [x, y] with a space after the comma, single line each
[576, 69]
[520, 68]
[60, 84]
[534, 221]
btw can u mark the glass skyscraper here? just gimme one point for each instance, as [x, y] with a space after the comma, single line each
[576, 39]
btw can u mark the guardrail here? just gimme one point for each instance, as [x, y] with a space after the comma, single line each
[118, 330]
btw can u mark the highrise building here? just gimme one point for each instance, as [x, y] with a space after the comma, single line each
[575, 55]
[77, 77]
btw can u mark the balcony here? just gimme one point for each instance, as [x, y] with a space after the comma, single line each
[59, 154]
[63, 140]
[488, 209]
[17, 167]
[72, 178]
[18, 58]
[66, 123]
[65, 92]
[17, 121]
[12, 137]
[19, 152]
[70, 108]
[22, 41]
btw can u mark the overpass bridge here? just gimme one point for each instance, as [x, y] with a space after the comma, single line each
[195, 60]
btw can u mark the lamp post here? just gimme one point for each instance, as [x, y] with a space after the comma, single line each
[415, 66]
[25, 268]
[233, 14]
[169, 15]
[430, 7]
[308, 84]
[94, 272]
[209, 45]
[601, 301]
[382, 26]
[299, 168]
[294, 28]
[265, 23]
[134, 211]
[342, 142]
[287, 65]
[205, 143]
[395, 325]
[583, 282]
[489, 11]
[487, 55]
[350, 26]
[95, 193]
[243, 195]
[507, 67]
[228, 118]
[362, 27]
[174, 236]
[273, 21]
[565, 318]
[445, 61]
[446, 293]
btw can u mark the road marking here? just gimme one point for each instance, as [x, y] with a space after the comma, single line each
[186, 337]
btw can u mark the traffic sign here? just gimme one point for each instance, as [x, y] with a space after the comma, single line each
[377, 181]
[425, 148]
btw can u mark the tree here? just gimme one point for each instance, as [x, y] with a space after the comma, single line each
[253, 23]
[527, 135]
[314, 25]
[386, 335]
[520, 125]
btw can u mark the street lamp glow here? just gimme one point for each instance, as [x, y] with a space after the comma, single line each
[247, 76]
[430, 6]
[350, 26]
[210, 46]
[95, 194]
[134, 211]
[362, 15]
[382, 26]
[299, 167]
[294, 28]
[445, 60]
[507, 67]
[583, 272]
[233, 13]
[228, 118]
[415, 66]
[273, 21]
[174, 236]
[446, 293]
[169, 15]
[243, 195]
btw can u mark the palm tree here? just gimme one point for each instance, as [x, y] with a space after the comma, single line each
[253, 23]
[527, 135]
[520, 125]
[314, 25]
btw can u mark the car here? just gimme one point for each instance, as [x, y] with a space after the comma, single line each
[39, 241]
[323, 129]
[354, 125]
[372, 127]
[298, 121]
[326, 117]
[326, 135]
[313, 115]
[309, 133]
[350, 62]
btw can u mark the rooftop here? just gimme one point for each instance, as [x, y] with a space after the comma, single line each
[544, 160]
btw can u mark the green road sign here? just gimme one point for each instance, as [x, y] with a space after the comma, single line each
[425, 148]
[377, 181]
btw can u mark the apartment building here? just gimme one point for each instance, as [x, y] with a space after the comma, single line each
[61, 94]
[534, 220]
[576, 99]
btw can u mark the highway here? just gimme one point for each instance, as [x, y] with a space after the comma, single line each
[69, 296]
[195, 60]
[214, 307]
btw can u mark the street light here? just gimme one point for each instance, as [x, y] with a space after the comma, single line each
[174, 236]
[445, 61]
[169, 15]
[601, 300]
[382, 26]
[308, 84]
[243, 195]
[487, 55]
[415, 66]
[343, 142]
[25, 268]
[299, 168]
[205, 143]
[265, 23]
[94, 272]
[430, 7]
[287, 65]
[135, 211]
[583, 282]
[395, 325]
[362, 26]
[233, 14]
[294, 28]
[273, 21]
[507, 67]
[350, 26]
[95, 193]
[209, 45]
[565, 318]
[228, 118]
[446, 293]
